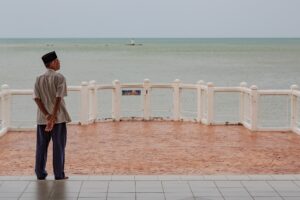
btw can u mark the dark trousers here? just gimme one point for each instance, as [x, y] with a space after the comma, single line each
[59, 139]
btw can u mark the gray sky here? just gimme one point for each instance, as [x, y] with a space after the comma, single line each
[149, 18]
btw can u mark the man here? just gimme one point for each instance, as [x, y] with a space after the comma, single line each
[52, 116]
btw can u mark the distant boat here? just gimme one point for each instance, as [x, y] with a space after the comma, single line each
[132, 43]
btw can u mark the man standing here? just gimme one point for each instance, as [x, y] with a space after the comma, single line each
[49, 90]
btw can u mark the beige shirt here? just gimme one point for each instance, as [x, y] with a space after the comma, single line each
[47, 87]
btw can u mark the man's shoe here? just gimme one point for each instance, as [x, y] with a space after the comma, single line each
[42, 178]
[64, 178]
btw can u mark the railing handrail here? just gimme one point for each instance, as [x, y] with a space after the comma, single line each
[227, 89]
[21, 92]
[274, 92]
[161, 85]
[246, 90]
[103, 87]
[188, 86]
[74, 88]
[296, 93]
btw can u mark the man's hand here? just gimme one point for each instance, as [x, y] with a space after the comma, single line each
[52, 118]
[50, 122]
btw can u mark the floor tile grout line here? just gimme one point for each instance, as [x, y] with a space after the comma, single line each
[275, 189]
[80, 189]
[191, 190]
[135, 196]
[107, 190]
[163, 189]
[24, 190]
[241, 182]
[294, 181]
[219, 190]
[52, 190]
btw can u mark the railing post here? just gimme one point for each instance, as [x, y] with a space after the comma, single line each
[243, 85]
[116, 101]
[176, 100]
[146, 101]
[294, 117]
[254, 107]
[84, 104]
[6, 107]
[210, 103]
[93, 101]
[199, 101]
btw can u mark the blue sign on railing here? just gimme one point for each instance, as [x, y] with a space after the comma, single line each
[131, 92]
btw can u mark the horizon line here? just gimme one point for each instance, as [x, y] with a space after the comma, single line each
[150, 37]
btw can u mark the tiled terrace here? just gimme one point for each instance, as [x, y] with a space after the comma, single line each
[234, 187]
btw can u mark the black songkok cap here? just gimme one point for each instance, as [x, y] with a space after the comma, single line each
[47, 58]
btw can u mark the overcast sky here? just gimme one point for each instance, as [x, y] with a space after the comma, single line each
[149, 18]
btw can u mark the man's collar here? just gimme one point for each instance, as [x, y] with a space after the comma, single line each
[50, 70]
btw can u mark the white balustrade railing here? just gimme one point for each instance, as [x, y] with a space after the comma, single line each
[294, 96]
[246, 104]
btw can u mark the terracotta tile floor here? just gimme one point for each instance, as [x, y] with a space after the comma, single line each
[135, 148]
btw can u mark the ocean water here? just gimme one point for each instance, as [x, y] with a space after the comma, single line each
[267, 63]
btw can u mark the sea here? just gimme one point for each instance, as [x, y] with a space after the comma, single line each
[268, 63]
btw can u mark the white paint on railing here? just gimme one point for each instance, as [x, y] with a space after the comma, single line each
[199, 101]
[74, 88]
[21, 92]
[227, 89]
[104, 87]
[296, 93]
[296, 130]
[205, 102]
[253, 107]
[210, 103]
[294, 107]
[132, 85]
[188, 86]
[161, 85]
[247, 125]
[274, 92]
[6, 107]
[84, 104]
[242, 102]
[93, 108]
[146, 99]
[116, 101]
[247, 108]
[3, 131]
[176, 100]
[246, 90]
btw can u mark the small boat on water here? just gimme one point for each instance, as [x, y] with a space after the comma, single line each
[132, 43]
